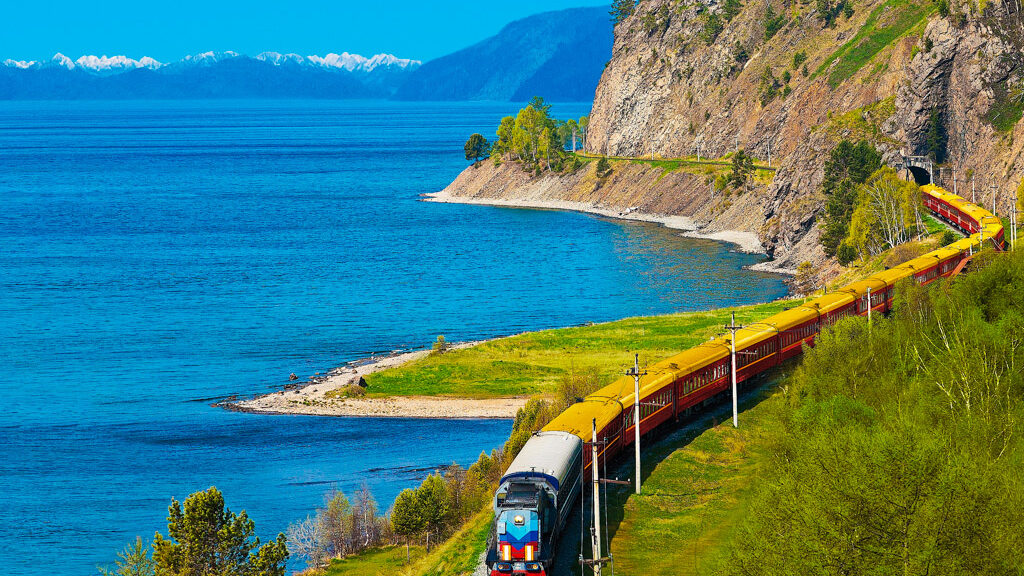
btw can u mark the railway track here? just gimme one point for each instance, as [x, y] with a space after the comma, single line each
[536, 496]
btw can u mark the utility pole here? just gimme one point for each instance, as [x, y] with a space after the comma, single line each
[974, 188]
[869, 306]
[735, 404]
[995, 192]
[954, 183]
[737, 142]
[595, 536]
[636, 374]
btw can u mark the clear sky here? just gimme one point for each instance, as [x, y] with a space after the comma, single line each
[167, 31]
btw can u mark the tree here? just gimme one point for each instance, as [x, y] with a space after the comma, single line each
[584, 123]
[847, 166]
[506, 130]
[603, 168]
[207, 539]
[886, 212]
[407, 517]
[335, 526]
[846, 254]
[134, 560]
[731, 8]
[433, 502]
[772, 22]
[477, 147]
[621, 9]
[742, 166]
[936, 139]
[712, 27]
[306, 540]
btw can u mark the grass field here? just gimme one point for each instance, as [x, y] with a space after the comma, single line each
[693, 494]
[533, 363]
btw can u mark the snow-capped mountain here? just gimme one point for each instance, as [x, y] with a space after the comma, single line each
[206, 75]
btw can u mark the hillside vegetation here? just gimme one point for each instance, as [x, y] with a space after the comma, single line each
[893, 448]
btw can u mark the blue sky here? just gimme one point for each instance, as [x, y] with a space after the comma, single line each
[169, 30]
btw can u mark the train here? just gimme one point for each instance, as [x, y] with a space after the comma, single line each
[536, 493]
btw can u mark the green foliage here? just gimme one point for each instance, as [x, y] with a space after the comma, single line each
[407, 519]
[533, 138]
[828, 10]
[440, 345]
[730, 8]
[621, 9]
[740, 53]
[477, 147]
[769, 86]
[604, 167]
[656, 21]
[943, 8]
[1008, 107]
[134, 560]
[895, 451]
[1020, 204]
[205, 538]
[846, 254]
[432, 497]
[799, 59]
[742, 166]
[886, 213]
[848, 165]
[886, 23]
[786, 77]
[936, 138]
[948, 237]
[711, 28]
[773, 22]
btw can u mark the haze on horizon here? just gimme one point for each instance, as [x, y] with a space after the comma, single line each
[169, 31]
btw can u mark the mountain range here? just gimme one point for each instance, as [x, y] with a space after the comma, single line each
[559, 55]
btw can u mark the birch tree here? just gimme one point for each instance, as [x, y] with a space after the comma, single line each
[885, 215]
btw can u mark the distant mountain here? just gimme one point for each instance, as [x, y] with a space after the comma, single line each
[558, 55]
[207, 75]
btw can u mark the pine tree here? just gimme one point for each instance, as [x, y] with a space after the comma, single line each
[621, 9]
[204, 537]
[407, 517]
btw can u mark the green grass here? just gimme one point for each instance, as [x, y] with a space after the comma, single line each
[693, 499]
[1007, 109]
[382, 561]
[872, 38]
[456, 556]
[534, 362]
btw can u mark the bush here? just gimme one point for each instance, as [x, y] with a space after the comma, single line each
[440, 345]
[798, 59]
[846, 254]
[943, 6]
[604, 168]
[948, 237]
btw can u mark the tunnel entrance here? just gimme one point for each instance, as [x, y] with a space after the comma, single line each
[921, 175]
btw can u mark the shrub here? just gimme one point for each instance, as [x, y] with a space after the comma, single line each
[604, 168]
[846, 254]
[440, 345]
[948, 237]
[798, 59]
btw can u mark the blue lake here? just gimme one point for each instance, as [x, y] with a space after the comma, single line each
[157, 256]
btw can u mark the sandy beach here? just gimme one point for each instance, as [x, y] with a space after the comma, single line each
[321, 396]
[745, 241]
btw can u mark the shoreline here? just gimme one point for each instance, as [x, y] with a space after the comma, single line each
[746, 242]
[322, 395]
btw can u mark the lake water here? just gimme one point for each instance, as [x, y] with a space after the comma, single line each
[157, 256]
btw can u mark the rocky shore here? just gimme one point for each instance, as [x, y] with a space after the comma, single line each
[341, 392]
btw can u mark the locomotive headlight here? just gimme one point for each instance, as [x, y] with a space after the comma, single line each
[533, 567]
[519, 520]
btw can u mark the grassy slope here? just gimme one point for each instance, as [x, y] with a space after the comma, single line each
[455, 557]
[534, 362]
[691, 500]
[884, 25]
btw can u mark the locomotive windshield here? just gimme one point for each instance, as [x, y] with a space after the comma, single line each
[521, 495]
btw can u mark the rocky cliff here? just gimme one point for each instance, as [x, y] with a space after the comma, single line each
[709, 77]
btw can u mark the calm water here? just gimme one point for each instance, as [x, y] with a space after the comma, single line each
[155, 256]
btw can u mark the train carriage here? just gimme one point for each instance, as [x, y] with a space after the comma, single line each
[537, 491]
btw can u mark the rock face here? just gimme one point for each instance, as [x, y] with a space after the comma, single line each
[672, 89]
